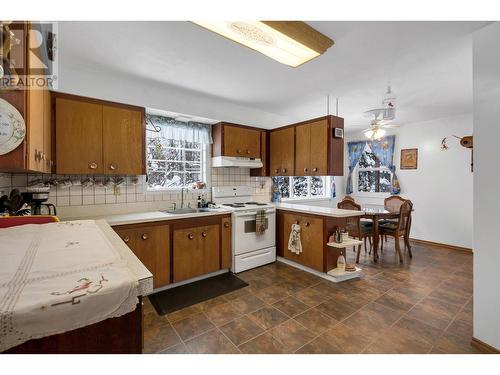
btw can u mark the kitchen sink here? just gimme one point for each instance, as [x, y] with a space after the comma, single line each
[181, 211]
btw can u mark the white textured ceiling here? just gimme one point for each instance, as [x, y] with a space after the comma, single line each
[429, 65]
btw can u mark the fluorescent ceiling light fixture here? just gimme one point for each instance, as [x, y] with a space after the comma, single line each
[290, 42]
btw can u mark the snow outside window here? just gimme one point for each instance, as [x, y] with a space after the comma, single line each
[371, 176]
[173, 164]
[306, 187]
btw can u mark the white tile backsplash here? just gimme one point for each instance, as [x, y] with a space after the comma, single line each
[131, 194]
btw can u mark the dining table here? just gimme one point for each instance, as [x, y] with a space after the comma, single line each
[375, 213]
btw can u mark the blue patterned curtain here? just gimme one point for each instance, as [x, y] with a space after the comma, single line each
[354, 150]
[384, 151]
[333, 188]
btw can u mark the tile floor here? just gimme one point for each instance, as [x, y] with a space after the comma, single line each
[421, 306]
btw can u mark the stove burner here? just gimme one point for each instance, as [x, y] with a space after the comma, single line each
[255, 203]
[235, 205]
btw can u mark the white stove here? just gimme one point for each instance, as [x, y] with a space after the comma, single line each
[250, 249]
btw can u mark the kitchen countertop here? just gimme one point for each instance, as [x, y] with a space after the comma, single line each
[151, 216]
[318, 210]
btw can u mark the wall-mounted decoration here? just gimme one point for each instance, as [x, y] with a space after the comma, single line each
[12, 127]
[409, 158]
[466, 142]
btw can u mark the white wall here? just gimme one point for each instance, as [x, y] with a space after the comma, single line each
[486, 60]
[127, 89]
[441, 187]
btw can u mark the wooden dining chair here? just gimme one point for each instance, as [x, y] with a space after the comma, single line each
[392, 204]
[399, 228]
[354, 225]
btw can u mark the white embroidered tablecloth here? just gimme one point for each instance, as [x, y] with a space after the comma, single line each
[58, 277]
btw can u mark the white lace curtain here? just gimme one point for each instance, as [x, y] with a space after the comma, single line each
[169, 128]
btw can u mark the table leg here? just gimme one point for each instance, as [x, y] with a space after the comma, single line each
[375, 238]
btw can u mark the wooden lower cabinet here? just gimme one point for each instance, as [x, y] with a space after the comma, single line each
[196, 251]
[311, 236]
[151, 244]
[181, 249]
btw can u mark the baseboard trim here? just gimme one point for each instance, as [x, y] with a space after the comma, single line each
[483, 347]
[443, 245]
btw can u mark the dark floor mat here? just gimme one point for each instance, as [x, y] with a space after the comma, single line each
[183, 296]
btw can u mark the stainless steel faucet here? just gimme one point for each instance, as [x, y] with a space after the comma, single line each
[182, 197]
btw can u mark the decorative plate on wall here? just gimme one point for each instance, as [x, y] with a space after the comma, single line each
[12, 127]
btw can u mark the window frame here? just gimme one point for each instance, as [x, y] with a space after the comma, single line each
[203, 167]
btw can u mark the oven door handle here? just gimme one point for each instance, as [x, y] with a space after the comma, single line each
[254, 213]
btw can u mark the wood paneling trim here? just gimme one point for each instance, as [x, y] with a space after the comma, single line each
[483, 347]
[303, 33]
[302, 123]
[442, 245]
[121, 335]
[217, 139]
[64, 95]
[238, 125]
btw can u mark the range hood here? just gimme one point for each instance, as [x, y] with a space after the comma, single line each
[231, 161]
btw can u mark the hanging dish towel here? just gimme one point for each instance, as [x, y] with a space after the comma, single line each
[260, 222]
[294, 244]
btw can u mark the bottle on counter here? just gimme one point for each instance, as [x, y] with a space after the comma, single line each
[199, 202]
[341, 262]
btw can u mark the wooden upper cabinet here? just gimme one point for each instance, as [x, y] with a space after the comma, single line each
[78, 137]
[34, 153]
[123, 137]
[303, 150]
[236, 140]
[47, 131]
[264, 156]
[98, 137]
[311, 157]
[282, 151]
[35, 130]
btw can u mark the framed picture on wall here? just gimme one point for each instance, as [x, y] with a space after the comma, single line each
[409, 158]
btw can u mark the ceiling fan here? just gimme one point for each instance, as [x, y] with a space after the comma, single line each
[382, 117]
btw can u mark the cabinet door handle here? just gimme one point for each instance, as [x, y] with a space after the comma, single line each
[238, 151]
[315, 169]
[226, 225]
[276, 170]
[248, 152]
[307, 224]
[144, 236]
[190, 236]
[93, 165]
[283, 170]
[126, 239]
[203, 234]
[305, 169]
[112, 167]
